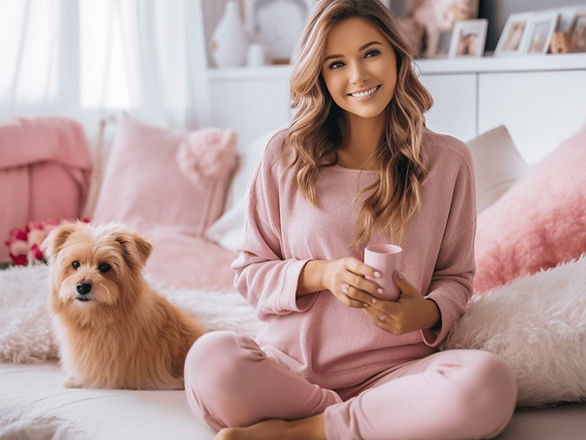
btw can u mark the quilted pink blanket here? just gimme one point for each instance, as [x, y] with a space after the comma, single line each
[45, 165]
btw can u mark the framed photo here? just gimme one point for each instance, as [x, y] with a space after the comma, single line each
[468, 38]
[277, 25]
[513, 39]
[578, 30]
[543, 25]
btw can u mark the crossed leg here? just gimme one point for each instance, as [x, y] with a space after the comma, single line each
[236, 388]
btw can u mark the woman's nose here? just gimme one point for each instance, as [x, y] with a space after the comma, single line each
[358, 73]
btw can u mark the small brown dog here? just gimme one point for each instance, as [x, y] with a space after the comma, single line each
[114, 330]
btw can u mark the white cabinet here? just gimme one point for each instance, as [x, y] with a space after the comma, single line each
[455, 103]
[529, 103]
[251, 101]
[541, 99]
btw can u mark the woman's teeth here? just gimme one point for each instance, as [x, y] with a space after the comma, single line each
[365, 93]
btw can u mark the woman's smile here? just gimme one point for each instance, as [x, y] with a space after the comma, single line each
[365, 94]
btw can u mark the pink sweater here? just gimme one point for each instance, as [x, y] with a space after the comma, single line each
[331, 344]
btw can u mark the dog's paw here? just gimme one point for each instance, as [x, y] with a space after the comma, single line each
[70, 382]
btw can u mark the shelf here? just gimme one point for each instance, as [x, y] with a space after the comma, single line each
[523, 63]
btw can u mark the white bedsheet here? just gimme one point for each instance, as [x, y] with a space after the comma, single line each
[35, 405]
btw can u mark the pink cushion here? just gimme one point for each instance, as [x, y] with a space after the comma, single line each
[160, 177]
[45, 168]
[189, 262]
[539, 223]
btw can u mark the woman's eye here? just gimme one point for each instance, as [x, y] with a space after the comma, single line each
[372, 53]
[75, 264]
[336, 65]
[104, 267]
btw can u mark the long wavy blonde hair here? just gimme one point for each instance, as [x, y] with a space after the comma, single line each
[319, 127]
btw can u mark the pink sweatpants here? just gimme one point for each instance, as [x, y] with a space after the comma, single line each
[456, 394]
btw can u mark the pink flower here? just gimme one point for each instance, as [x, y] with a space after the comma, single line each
[19, 260]
[35, 252]
[18, 234]
[25, 244]
[19, 247]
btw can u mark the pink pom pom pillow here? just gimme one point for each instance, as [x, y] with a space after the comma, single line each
[539, 223]
[157, 177]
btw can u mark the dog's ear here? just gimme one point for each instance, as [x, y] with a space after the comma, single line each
[135, 248]
[54, 242]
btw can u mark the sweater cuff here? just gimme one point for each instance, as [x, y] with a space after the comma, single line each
[288, 299]
[433, 337]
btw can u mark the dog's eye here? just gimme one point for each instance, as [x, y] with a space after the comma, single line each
[75, 264]
[104, 267]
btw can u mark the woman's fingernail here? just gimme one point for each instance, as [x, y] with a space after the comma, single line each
[379, 291]
[377, 275]
[372, 300]
[398, 276]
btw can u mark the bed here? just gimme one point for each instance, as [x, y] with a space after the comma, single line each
[529, 305]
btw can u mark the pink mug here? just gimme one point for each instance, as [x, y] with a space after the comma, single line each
[385, 258]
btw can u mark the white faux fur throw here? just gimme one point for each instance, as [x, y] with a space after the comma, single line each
[26, 333]
[537, 324]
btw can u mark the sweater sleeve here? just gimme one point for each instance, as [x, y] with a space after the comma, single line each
[451, 283]
[263, 276]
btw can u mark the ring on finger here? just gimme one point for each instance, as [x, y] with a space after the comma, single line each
[345, 288]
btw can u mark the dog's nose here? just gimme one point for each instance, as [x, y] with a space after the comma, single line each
[84, 288]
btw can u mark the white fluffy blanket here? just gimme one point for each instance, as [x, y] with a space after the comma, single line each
[537, 324]
[25, 325]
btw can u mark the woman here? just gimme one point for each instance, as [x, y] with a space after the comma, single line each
[356, 166]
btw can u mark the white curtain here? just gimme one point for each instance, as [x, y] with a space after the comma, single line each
[84, 58]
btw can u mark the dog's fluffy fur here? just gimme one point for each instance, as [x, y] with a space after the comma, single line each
[120, 334]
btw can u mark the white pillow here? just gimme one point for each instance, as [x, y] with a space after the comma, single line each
[498, 165]
[537, 324]
[227, 229]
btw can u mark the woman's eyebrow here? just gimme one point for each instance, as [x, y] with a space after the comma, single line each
[364, 46]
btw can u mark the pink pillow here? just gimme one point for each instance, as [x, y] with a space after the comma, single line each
[157, 177]
[539, 223]
[45, 167]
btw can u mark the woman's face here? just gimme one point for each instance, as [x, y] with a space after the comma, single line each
[359, 67]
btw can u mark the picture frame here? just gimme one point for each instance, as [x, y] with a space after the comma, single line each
[513, 39]
[578, 30]
[542, 27]
[468, 38]
[276, 25]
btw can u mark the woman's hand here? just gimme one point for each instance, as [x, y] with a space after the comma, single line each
[409, 313]
[345, 279]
